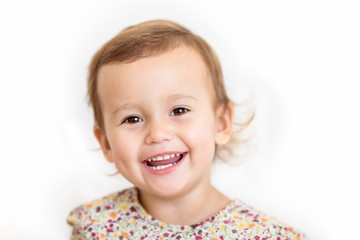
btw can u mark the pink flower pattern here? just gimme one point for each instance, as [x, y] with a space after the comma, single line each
[121, 216]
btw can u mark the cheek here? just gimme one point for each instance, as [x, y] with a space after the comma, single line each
[200, 135]
[125, 155]
[123, 146]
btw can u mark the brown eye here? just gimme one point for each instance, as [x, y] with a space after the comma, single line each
[179, 111]
[132, 119]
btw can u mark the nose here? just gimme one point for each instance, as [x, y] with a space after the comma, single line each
[157, 132]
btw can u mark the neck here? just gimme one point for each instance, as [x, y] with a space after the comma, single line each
[186, 209]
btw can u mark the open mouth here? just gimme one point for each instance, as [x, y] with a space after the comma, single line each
[165, 161]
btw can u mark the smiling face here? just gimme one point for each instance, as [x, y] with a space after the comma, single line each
[160, 121]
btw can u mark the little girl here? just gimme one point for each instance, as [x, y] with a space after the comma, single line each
[161, 114]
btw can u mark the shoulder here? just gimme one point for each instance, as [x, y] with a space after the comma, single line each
[250, 222]
[108, 207]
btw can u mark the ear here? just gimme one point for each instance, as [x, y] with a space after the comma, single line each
[104, 143]
[224, 117]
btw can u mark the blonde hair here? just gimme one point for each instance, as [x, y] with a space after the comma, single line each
[149, 39]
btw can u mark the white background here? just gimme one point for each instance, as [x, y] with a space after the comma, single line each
[302, 58]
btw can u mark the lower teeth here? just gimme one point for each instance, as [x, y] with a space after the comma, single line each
[162, 166]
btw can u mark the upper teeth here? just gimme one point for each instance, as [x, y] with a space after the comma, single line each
[165, 157]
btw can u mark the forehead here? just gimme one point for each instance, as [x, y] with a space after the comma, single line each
[180, 71]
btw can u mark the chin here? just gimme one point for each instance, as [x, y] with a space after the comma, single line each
[167, 190]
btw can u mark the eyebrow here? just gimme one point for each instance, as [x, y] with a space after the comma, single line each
[124, 106]
[180, 96]
[173, 97]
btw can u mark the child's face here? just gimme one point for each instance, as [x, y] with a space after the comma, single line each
[160, 107]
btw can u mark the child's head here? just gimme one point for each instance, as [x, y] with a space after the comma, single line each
[157, 93]
[149, 39]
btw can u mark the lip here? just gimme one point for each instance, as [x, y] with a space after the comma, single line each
[166, 170]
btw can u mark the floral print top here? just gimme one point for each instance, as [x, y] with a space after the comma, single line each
[121, 216]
